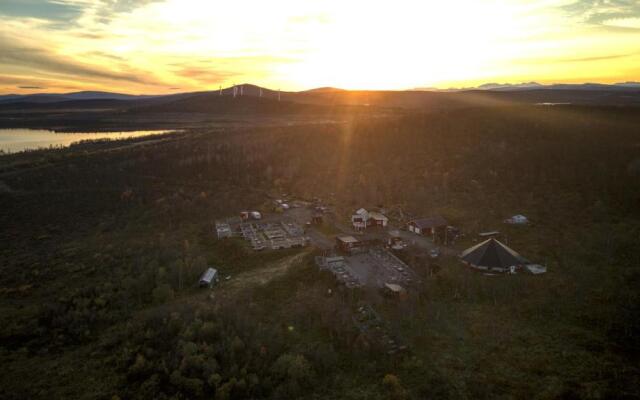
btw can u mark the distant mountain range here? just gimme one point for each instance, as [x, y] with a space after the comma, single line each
[86, 111]
[253, 90]
[57, 97]
[257, 99]
[536, 86]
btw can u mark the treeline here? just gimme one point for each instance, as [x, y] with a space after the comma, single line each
[496, 159]
[103, 245]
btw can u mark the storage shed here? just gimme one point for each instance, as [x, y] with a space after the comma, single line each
[209, 278]
[347, 243]
[427, 226]
[378, 219]
[517, 220]
[223, 230]
[394, 289]
[317, 218]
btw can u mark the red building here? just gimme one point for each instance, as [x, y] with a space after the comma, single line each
[431, 226]
[347, 244]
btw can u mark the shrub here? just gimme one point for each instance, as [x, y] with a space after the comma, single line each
[162, 294]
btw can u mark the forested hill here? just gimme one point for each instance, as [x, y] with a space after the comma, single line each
[225, 100]
[103, 242]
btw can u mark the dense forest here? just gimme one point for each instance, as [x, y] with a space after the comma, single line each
[103, 242]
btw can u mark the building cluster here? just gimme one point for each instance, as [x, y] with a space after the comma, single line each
[363, 258]
[262, 235]
[434, 227]
[274, 236]
[371, 266]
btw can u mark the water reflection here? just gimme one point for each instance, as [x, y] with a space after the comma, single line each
[15, 140]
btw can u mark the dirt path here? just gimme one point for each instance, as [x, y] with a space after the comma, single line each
[261, 276]
[225, 290]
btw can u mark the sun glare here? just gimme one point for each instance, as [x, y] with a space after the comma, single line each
[195, 44]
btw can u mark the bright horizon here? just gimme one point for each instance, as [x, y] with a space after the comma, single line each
[165, 46]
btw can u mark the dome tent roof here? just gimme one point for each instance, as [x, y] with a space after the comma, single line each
[492, 254]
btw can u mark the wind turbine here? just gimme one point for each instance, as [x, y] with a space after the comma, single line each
[220, 90]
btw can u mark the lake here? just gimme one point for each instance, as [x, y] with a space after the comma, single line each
[15, 140]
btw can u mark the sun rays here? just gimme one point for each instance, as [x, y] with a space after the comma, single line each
[167, 45]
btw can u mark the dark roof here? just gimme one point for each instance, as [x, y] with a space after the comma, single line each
[492, 254]
[431, 222]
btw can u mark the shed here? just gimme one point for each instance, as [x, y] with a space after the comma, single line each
[493, 255]
[378, 219]
[317, 218]
[517, 220]
[536, 269]
[347, 243]
[223, 230]
[394, 288]
[427, 226]
[209, 278]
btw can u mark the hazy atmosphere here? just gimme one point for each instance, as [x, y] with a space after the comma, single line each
[164, 46]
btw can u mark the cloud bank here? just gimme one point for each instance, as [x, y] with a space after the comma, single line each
[154, 46]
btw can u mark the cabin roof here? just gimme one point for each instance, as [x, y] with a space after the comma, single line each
[347, 239]
[430, 222]
[394, 287]
[377, 215]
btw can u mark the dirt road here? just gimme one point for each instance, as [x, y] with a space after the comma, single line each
[261, 276]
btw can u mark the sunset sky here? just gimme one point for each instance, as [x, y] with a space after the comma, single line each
[166, 46]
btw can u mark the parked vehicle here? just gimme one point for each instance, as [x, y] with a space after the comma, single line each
[434, 253]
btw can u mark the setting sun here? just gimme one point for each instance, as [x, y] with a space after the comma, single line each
[163, 46]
